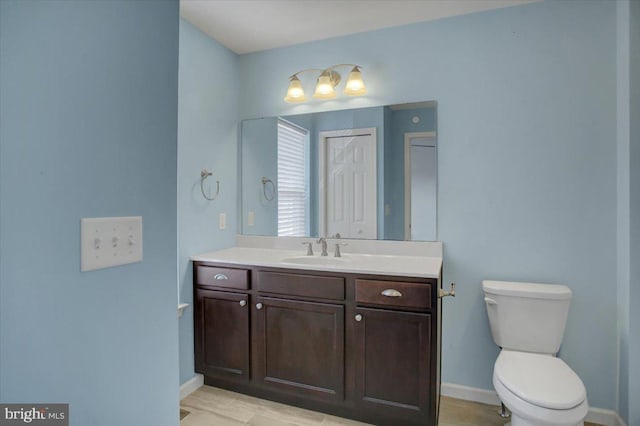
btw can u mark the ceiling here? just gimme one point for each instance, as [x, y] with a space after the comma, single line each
[246, 26]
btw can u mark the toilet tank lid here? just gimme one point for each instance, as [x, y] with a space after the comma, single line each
[530, 290]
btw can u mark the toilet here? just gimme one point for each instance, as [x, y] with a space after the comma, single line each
[527, 321]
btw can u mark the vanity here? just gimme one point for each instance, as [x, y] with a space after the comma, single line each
[356, 336]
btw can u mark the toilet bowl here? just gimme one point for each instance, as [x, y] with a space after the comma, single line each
[540, 390]
[527, 321]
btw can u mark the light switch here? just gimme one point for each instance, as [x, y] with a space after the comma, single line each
[110, 241]
[251, 219]
[222, 223]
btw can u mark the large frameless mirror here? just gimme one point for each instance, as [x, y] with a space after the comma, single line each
[366, 173]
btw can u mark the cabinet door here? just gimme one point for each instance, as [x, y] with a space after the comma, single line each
[222, 334]
[301, 347]
[392, 362]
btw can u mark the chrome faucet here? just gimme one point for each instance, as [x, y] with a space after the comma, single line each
[309, 247]
[337, 253]
[323, 241]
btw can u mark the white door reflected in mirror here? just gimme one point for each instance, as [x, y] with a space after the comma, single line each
[348, 202]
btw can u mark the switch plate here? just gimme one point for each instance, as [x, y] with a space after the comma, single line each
[251, 219]
[222, 222]
[110, 241]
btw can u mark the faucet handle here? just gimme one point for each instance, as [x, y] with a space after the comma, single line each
[309, 247]
[337, 253]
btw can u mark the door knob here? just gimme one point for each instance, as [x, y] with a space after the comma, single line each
[243, 302]
[358, 317]
[258, 305]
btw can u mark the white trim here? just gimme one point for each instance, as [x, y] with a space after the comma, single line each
[191, 385]
[619, 421]
[604, 417]
[408, 137]
[322, 161]
[596, 415]
[469, 394]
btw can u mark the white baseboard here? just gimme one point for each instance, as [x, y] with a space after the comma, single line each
[620, 421]
[191, 385]
[604, 417]
[596, 415]
[470, 394]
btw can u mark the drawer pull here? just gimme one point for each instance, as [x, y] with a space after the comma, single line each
[358, 317]
[220, 277]
[258, 305]
[391, 293]
[243, 303]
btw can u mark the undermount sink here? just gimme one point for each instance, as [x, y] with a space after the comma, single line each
[316, 260]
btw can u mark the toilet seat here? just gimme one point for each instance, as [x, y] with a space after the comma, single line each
[526, 414]
[541, 380]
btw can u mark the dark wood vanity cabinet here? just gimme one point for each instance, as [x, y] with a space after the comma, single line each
[359, 346]
[393, 363]
[300, 347]
[222, 341]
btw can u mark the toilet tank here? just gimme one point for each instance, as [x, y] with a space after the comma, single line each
[527, 317]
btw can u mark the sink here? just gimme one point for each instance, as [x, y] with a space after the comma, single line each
[316, 260]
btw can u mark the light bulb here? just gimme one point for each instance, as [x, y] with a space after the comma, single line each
[355, 85]
[325, 87]
[295, 93]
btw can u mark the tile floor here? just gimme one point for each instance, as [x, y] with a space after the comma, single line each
[210, 406]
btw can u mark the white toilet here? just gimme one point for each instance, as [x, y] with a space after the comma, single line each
[527, 321]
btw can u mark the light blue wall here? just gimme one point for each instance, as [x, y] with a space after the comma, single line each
[527, 159]
[259, 152]
[628, 141]
[88, 122]
[623, 196]
[207, 139]
[634, 299]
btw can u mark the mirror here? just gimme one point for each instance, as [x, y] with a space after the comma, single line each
[362, 173]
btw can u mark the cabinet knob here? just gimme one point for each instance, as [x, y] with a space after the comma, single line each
[243, 302]
[258, 305]
[358, 317]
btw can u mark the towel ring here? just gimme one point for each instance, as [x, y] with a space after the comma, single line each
[265, 182]
[203, 175]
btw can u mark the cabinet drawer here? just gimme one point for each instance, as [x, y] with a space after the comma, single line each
[394, 294]
[302, 285]
[222, 277]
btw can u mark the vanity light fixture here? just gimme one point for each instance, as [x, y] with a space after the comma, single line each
[326, 84]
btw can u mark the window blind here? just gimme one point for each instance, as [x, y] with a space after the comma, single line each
[292, 180]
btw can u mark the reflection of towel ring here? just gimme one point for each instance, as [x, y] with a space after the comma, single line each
[203, 175]
[266, 181]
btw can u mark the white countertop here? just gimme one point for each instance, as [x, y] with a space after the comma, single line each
[378, 264]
